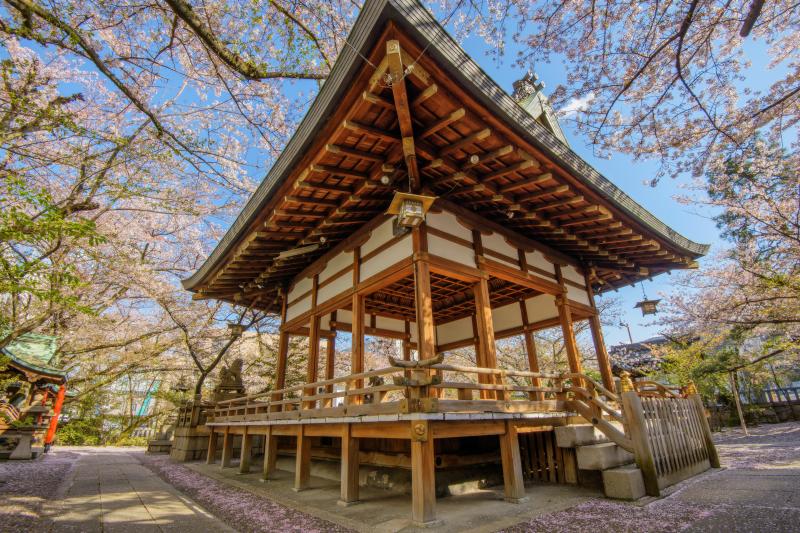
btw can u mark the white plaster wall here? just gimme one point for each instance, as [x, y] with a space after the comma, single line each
[450, 250]
[335, 287]
[336, 264]
[538, 260]
[570, 273]
[325, 322]
[457, 330]
[448, 222]
[302, 286]
[380, 235]
[507, 317]
[298, 308]
[497, 243]
[541, 307]
[577, 295]
[391, 255]
[392, 324]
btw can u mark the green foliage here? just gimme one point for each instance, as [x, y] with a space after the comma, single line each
[80, 432]
[34, 228]
[127, 440]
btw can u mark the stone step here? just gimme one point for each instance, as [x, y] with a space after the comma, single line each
[602, 456]
[624, 482]
[578, 435]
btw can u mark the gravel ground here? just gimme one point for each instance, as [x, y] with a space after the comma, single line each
[239, 509]
[26, 485]
[769, 447]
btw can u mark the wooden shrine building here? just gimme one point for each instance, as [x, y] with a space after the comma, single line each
[32, 391]
[418, 201]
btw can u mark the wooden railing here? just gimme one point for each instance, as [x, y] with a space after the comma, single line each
[402, 389]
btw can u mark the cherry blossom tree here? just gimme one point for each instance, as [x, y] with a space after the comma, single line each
[672, 81]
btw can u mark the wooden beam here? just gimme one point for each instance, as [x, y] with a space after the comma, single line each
[490, 156]
[535, 180]
[535, 196]
[378, 100]
[469, 139]
[443, 122]
[426, 94]
[336, 171]
[510, 169]
[354, 153]
[397, 73]
[337, 189]
[364, 129]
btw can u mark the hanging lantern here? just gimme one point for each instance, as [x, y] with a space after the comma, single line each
[410, 208]
[648, 306]
[235, 329]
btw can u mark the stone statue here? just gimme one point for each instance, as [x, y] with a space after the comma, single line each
[230, 383]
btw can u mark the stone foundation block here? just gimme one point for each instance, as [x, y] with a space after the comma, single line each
[602, 456]
[624, 483]
[578, 435]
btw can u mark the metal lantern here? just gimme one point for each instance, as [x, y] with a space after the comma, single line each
[235, 329]
[648, 307]
[410, 208]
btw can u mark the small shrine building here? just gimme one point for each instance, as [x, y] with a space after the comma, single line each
[418, 201]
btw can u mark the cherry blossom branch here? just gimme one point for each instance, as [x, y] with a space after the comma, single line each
[246, 68]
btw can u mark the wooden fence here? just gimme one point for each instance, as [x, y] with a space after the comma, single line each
[782, 395]
[671, 437]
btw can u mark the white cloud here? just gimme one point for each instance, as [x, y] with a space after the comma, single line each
[575, 105]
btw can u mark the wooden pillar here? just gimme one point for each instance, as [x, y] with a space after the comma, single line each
[512, 465]
[330, 361]
[283, 353]
[426, 337]
[357, 329]
[227, 448]
[565, 317]
[423, 475]
[407, 342]
[635, 426]
[211, 454]
[302, 468]
[487, 349]
[603, 360]
[349, 467]
[313, 360]
[270, 454]
[245, 453]
[530, 349]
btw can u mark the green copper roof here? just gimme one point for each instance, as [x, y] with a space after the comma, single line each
[35, 352]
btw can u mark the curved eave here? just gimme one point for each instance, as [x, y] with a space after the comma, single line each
[415, 19]
[47, 373]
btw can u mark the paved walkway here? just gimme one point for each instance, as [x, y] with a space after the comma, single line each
[109, 490]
